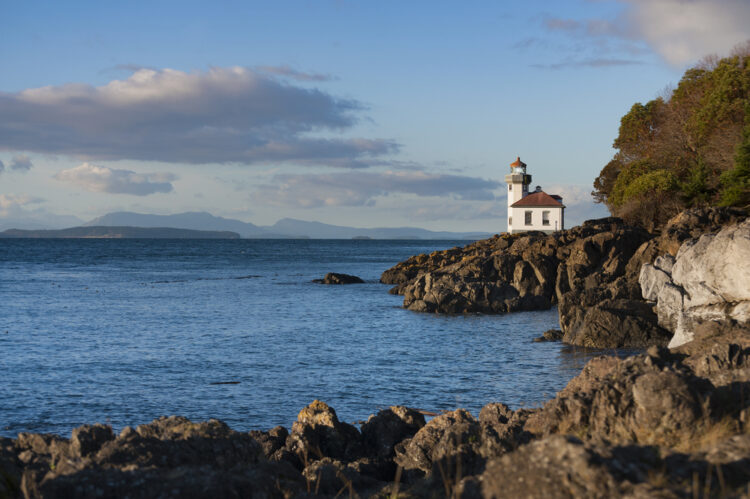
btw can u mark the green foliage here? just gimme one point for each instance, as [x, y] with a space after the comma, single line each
[637, 128]
[626, 176]
[736, 182]
[695, 189]
[690, 148]
[725, 93]
[653, 183]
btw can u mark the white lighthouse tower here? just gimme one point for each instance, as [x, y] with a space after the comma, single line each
[518, 186]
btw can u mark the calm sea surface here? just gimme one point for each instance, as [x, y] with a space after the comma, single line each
[123, 331]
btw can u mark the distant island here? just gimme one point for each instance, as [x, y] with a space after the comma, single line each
[100, 232]
[286, 228]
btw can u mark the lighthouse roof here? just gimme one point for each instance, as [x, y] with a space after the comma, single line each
[537, 199]
[517, 162]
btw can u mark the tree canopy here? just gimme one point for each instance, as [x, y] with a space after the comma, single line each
[689, 148]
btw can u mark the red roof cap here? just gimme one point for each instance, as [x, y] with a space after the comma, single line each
[517, 162]
[540, 198]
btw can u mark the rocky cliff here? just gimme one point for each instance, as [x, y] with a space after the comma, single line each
[590, 272]
[707, 280]
[660, 424]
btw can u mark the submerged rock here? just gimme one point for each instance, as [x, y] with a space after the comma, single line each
[550, 335]
[334, 278]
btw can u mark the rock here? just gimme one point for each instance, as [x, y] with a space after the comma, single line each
[555, 467]
[271, 441]
[88, 439]
[330, 477]
[381, 432]
[649, 399]
[618, 323]
[550, 335]
[10, 469]
[169, 457]
[449, 444]
[708, 280]
[259, 480]
[318, 433]
[334, 278]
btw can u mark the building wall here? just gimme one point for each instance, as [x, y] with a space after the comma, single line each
[517, 219]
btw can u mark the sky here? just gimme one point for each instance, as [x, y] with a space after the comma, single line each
[363, 113]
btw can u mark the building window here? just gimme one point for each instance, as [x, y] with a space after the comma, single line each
[510, 187]
[510, 221]
[527, 216]
[545, 218]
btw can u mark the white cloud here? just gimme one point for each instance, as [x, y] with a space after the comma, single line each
[224, 115]
[361, 188]
[680, 31]
[683, 31]
[102, 179]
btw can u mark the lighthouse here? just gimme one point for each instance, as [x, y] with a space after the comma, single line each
[536, 211]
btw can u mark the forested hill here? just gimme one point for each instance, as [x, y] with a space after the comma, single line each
[689, 148]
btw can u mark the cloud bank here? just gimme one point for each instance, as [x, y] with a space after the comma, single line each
[679, 31]
[102, 179]
[683, 31]
[224, 115]
[360, 188]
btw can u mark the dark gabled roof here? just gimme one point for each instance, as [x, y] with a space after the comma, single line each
[540, 198]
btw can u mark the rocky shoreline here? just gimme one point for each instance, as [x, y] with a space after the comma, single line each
[591, 273]
[660, 424]
[664, 423]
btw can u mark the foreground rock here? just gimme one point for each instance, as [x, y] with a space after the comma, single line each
[708, 280]
[590, 272]
[334, 278]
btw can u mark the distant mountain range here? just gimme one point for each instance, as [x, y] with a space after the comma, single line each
[284, 228]
[98, 232]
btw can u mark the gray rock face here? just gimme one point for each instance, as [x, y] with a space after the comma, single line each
[708, 280]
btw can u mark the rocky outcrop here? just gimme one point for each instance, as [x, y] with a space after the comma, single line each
[707, 280]
[334, 278]
[590, 272]
[170, 457]
[578, 270]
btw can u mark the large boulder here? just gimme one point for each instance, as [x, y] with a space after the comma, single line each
[708, 280]
[318, 433]
[449, 443]
[619, 323]
[650, 399]
[560, 467]
[382, 431]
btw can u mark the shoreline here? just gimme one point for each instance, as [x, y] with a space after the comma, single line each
[674, 407]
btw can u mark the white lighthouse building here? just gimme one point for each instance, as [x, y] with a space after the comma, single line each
[531, 211]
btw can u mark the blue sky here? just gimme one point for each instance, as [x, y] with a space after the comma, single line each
[378, 113]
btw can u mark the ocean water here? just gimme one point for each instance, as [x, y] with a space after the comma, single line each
[124, 331]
